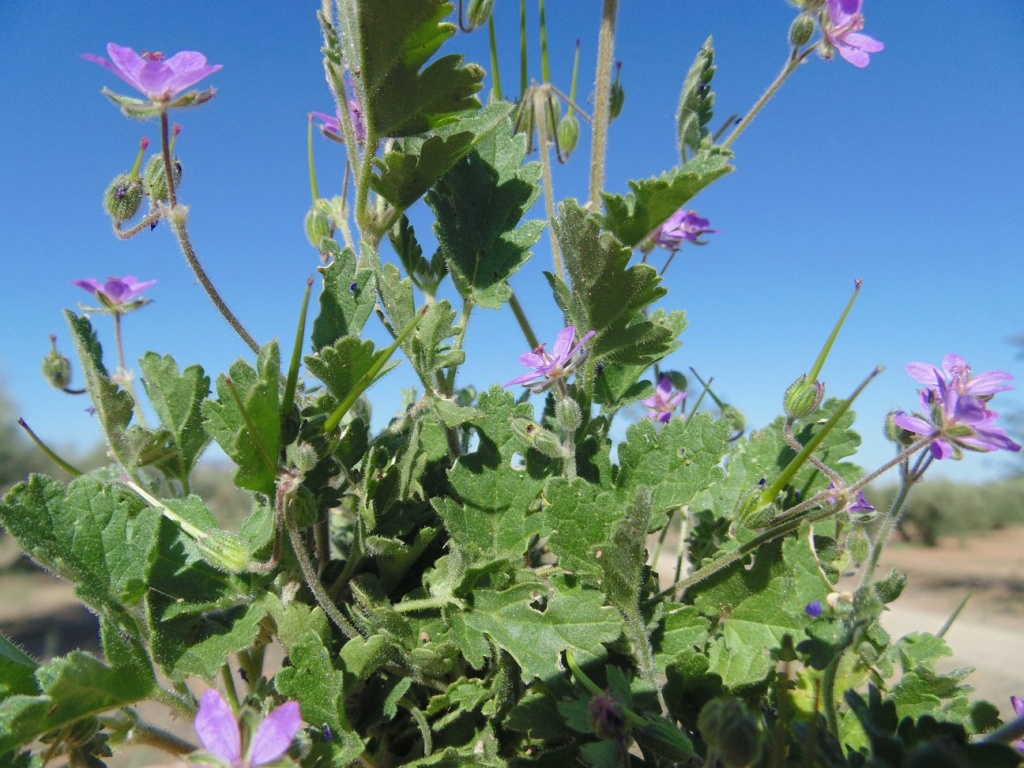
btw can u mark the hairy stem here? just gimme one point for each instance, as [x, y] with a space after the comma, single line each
[602, 100]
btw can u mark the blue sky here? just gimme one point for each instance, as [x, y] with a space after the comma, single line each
[905, 174]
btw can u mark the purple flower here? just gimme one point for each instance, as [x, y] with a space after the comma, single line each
[814, 609]
[219, 732]
[116, 291]
[844, 32]
[957, 409]
[1018, 707]
[550, 368]
[682, 225]
[663, 402]
[858, 508]
[159, 79]
[959, 375]
[331, 126]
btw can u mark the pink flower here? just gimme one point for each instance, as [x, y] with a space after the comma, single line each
[663, 402]
[550, 368]
[960, 376]
[331, 126]
[159, 79]
[1018, 707]
[116, 291]
[844, 32]
[219, 732]
[682, 225]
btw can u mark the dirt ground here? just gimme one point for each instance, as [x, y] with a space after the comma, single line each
[41, 613]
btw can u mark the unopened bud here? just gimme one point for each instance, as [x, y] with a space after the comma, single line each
[730, 732]
[225, 551]
[802, 398]
[568, 135]
[891, 587]
[304, 456]
[479, 12]
[858, 544]
[801, 30]
[896, 433]
[536, 436]
[318, 227]
[123, 197]
[664, 740]
[568, 414]
[56, 367]
[618, 94]
[156, 178]
[607, 716]
[751, 511]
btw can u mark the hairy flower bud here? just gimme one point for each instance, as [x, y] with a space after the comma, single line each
[568, 414]
[802, 398]
[155, 178]
[318, 227]
[896, 433]
[479, 12]
[56, 367]
[123, 197]
[801, 30]
[607, 717]
[664, 740]
[858, 544]
[891, 587]
[751, 512]
[730, 732]
[536, 436]
[225, 551]
[568, 135]
[618, 94]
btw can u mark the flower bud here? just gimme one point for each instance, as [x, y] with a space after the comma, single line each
[318, 227]
[607, 716]
[155, 177]
[225, 551]
[618, 94]
[858, 544]
[568, 414]
[751, 512]
[730, 732]
[303, 455]
[801, 30]
[664, 740]
[479, 12]
[304, 508]
[536, 436]
[56, 367]
[896, 433]
[123, 197]
[568, 135]
[802, 398]
[891, 587]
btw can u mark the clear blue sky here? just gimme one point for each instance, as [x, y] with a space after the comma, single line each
[905, 174]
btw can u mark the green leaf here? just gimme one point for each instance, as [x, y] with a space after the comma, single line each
[535, 623]
[633, 217]
[579, 522]
[258, 390]
[395, 38]
[623, 561]
[341, 365]
[72, 688]
[113, 405]
[346, 301]
[312, 680]
[17, 670]
[427, 275]
[491, 518]
[683, 630]
[607, 294]
[101, 537]
[677, 462]
[405, 173]
[478, 205]
[697, 101]
[427, 346]
[177, 399]
[618, 384]
[396, 295]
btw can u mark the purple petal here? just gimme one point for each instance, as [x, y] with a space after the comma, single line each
[563, 343]
[526, 377]
[940, 449]
[92, 284]
[912, 423]
[863, 42]
[533, 359]
[575, 350]
[188, 68]
[923, 373]
[852, 55]
[987, 383]
[665, 386]
[1018, 704]
[217, 727]
[274, 735]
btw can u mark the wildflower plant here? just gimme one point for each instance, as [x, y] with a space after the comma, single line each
[489, 580]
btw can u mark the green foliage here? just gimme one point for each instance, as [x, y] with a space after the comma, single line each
[478, 204]
[346, 300]
[633, 217]
[697, 101]
[177, 399]
[389, 42]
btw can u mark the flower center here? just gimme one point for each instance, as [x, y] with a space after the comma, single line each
[153, 55]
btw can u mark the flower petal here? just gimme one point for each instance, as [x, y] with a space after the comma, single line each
[912, 423]
[274, 735]
[217, 727]
[563, 343]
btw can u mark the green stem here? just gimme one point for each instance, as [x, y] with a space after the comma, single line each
[791, 64]
[888, 524]
[812, 376]
[426, 604]
[127, 378]
[66, 466]
[177, 217]
[293, 369]
[229, 686]
[524, 76]
[494, 58]
[540, 104]
[314, 188]
[165, 147]
[545, 66]
[524, 323]
[460, 339]
[143, 734]
[602, 100]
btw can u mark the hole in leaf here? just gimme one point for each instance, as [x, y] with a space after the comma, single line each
[539, 602]
[518, 462]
